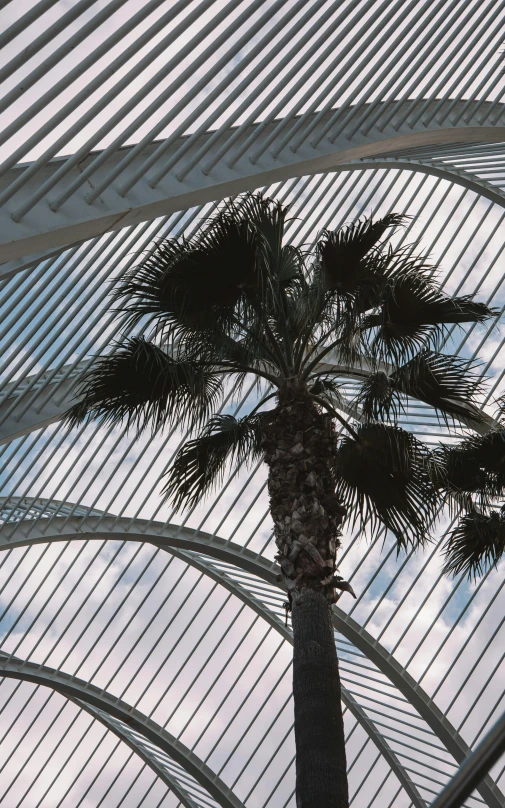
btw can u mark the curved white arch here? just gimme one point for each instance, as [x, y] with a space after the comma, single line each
[102, 713]
[454, 175]
[9, 268]
[186, 540]
[80, 690]
[351, 703]
[49, 226]
[143, 753]
[57, 392]
[204, 80]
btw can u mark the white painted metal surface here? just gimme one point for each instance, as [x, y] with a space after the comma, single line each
[118, 119]
[85, 215]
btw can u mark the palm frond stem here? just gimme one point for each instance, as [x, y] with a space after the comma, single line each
[229, 367]
[341, 370]
[327, 406]
[255, 338]
[283, 365]
[260, 403]
[286, 337]
[300, 357]
[302, 346]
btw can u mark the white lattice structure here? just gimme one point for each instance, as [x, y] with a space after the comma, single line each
[145, 653]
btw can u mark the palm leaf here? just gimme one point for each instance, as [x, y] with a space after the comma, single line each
[191, 284]
[477, 543]
[327, 388]
[476, 466]
[415, 311]
[446, 383]
[460, 479]
[378, 398]
[203, 283]
[382, 479]
[343, 253]
[201, 463]
[267, 218]
[500, 402]
[140, 386]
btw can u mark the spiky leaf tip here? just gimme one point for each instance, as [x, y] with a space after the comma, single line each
[343, 253]
[476, 544]
[141, 387]
[200, 464]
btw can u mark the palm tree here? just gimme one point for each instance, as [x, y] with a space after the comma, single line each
[233, 302]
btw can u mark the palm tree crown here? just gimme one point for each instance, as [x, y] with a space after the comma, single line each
[235, 301]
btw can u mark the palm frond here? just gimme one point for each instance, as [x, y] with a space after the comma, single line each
[343, 252]
[203, 283]
[447, 383]
[267, 218]
[194, 284]
[245, 350]
[415, 311]
[141, 387]
[473, 468]
[382, 479]
[350, 271]
[200, 464]
[460, 480]
[309, 319]
[500, 411]
[378, 398]
[327, 388]
[476, 544]
[290, 266]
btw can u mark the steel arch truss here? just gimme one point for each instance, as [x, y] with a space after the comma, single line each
[81, 691]
[245, 574]
[175, 777]
[120, 114]
[81, 217]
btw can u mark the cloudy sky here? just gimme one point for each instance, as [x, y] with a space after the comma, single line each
[130, 618]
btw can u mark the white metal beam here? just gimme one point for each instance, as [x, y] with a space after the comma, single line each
[79, 689]
[418, 697]
[39, 413]
[44, 228]
[119, 729]
[488, 752]
[246, 597]
[26, 532]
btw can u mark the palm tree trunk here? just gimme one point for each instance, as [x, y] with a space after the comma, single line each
[321, 773]
[299, 445]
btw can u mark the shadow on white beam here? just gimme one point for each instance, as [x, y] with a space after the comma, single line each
[43, 229]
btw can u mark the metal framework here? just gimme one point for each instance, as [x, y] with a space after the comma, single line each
[162, 765]
[200, 550]
[18, 669]
[74, 213]
[490, 749]
[75, 688]
[145, 653]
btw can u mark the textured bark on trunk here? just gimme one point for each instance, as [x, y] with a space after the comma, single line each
[321, 772]
[300, 444]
